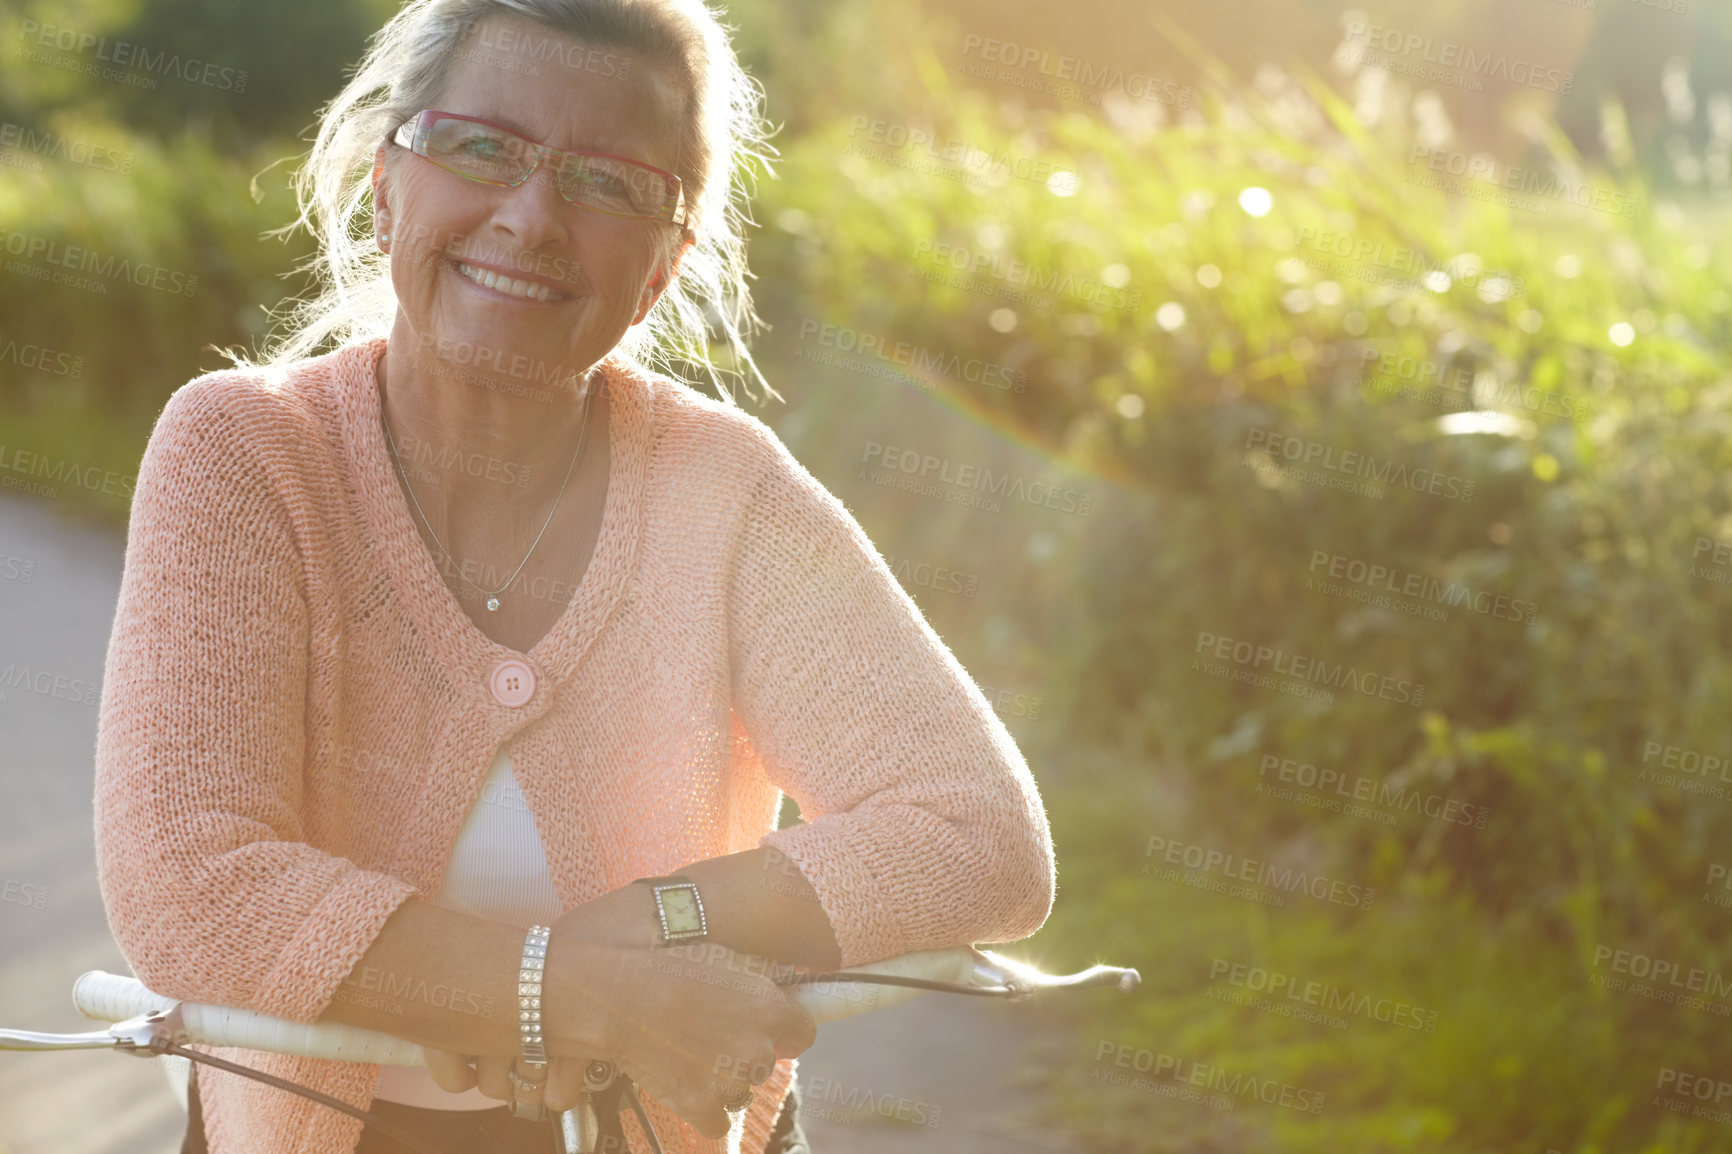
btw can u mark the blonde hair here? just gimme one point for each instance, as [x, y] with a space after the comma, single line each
[724, 140]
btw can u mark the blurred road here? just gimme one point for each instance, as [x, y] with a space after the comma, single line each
[57, 622]
[936, 1074]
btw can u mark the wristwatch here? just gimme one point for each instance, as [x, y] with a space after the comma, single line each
[679, 909]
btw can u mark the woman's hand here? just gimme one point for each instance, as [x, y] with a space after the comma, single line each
[559, 1086]
[693, 1026]
[624, 917]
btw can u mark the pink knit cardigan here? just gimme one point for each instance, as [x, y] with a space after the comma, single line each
[295, 715]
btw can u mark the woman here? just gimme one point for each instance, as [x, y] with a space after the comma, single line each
[432, 649]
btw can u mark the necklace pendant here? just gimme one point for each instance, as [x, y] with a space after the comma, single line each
[492, 604]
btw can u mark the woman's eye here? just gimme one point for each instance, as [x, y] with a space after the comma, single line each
[606, 182]
[483, 146]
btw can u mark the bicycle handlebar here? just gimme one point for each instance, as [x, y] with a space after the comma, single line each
[115, 998]
[148, 1024]
[828, 997]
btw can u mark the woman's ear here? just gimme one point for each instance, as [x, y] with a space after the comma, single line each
[670, 268]
[665, 272]
[688, 241]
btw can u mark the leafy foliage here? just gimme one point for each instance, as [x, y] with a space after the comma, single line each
[1288, 267]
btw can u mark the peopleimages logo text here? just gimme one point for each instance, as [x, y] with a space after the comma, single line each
[1461, 57]
[917, 358]
[1414, 262]
[24, 894]
[1315, 454]
[86, 260]
[125, 54]
[1538, 182]
[917, 138]
[1681, 1086]
[1461, 384]
[1333, 999]
[1086, 75]
[58, 147]
[1206, 860]
[530, 46]
[1241, 1085]
[1393, 798]
[1404, 583]
[60, 472]
[818, 1092]
[46, 683]
[1314, 669]
[976, 478]
[1022, 275]
[1669, 972]
[41, 358]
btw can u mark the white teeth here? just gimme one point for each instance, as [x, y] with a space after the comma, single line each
[507, 285]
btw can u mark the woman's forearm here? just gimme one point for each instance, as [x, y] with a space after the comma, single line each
[756, 902]
[439, 978]
[449, 980]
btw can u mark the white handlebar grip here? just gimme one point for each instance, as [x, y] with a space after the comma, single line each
[830, 1001]
[222, 1026]
[112, 998]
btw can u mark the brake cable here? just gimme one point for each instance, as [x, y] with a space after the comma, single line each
[811, 978]
[366, 1116]
[627, 1093]
[151, 1035]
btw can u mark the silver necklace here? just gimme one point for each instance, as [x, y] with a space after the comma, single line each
[492, 594]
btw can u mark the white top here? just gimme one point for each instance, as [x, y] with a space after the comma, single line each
[498, 871]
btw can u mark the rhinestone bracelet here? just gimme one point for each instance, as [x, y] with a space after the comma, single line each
[529, 977]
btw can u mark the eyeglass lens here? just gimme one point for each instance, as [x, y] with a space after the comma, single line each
[485, 152]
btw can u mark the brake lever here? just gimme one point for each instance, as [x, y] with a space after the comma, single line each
[144, 1036]
[150, 1035]
[580, 1126]
[1022, 979]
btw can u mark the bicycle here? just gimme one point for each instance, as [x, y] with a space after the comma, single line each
[149, 1025]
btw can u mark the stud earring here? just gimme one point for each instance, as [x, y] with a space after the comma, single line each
[384, 240]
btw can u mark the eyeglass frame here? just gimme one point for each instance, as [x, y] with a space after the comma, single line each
[415, 127]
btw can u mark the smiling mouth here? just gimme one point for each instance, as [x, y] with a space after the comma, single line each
[510, 286]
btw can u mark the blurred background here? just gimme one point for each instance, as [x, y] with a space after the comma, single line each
[1353, 571]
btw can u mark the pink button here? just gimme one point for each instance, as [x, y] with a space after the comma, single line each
[512, 682]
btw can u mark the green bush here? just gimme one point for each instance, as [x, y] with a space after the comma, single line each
[160, 262]
[1188, 319]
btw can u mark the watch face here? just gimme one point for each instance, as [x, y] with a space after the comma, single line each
[680, 909]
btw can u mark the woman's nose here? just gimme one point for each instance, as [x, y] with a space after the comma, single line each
[534, 213]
